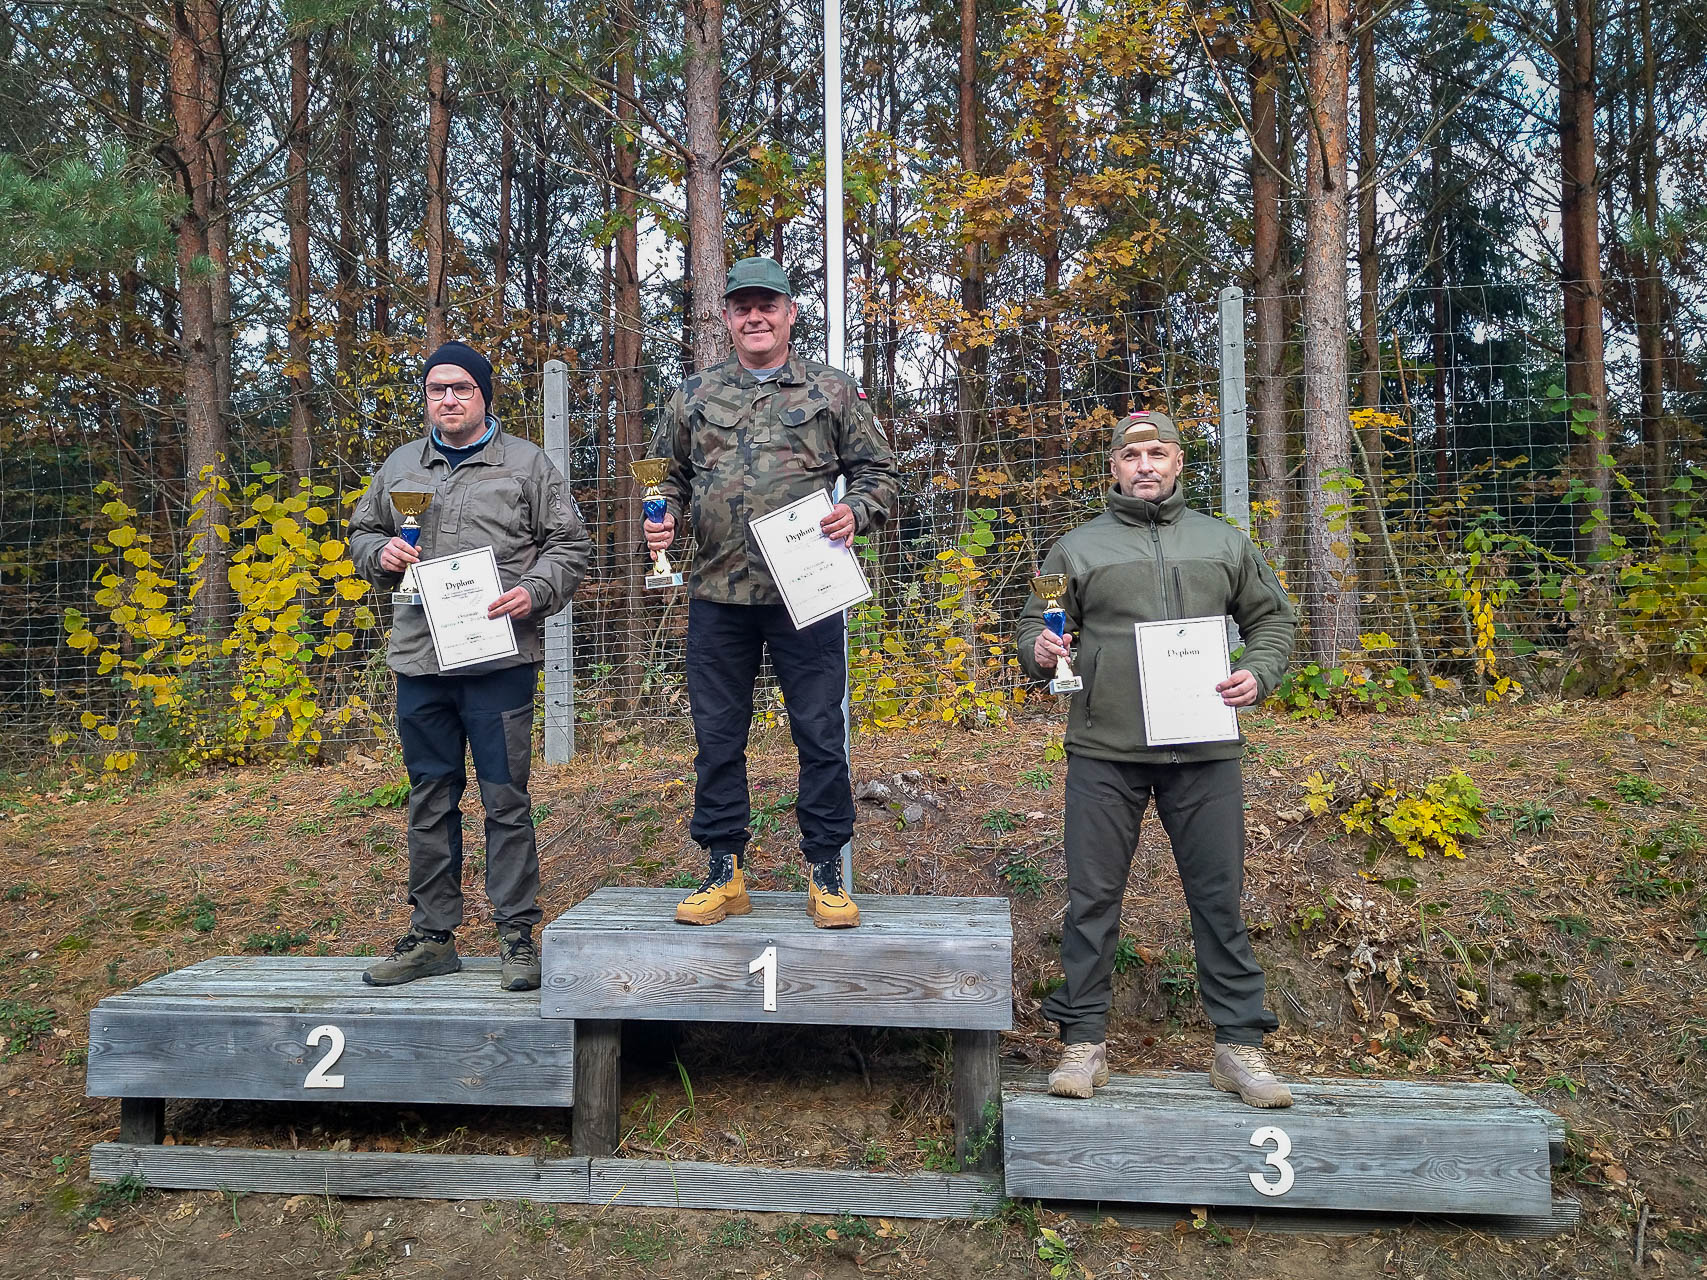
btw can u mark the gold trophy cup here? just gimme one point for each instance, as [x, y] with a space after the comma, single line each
[1048, 587]
[409, 505]
[651, 472]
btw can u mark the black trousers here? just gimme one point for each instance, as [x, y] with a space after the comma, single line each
[491, 717]
[1202, 807]
[725, 645]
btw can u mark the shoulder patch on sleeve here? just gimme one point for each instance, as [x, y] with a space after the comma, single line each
[860, 391]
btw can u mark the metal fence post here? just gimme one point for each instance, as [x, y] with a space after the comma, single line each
[1235, 447]
[559, 650]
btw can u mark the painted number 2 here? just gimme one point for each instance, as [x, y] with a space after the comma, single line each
[317, 1078]
[766, 964]
[1276, 1159]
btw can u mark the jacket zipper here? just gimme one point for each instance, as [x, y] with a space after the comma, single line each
[1162, 578]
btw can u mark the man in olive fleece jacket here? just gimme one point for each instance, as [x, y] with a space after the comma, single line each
[1149, 558]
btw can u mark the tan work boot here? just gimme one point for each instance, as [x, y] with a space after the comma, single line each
[1242, 1069]
[417, 954]
[721, 894]
[1082, 1068]
[827, 902]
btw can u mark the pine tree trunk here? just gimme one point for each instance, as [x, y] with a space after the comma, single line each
[1369, 278]
[703, 79]
[384, 133]
[296, 219]
[506, 189]
[196, 34]
[1650, 296]
[1333, 603]
[1441, 324]
[1268, 275]
[345, 319]
[1585, 337]
[213, 69]
[438, 191]
[970, 362]
[630, 427]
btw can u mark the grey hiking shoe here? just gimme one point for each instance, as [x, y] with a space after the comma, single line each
[418, 954]
[1082, 1068]
[520, 960]
[1242, 1069]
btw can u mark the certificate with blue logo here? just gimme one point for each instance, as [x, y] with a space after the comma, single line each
[455, 592]
[817, 577]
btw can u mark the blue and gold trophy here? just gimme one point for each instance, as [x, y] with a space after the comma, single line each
[651, 472]
[409, 505]
[1048, 588]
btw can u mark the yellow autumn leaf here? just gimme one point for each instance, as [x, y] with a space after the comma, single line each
[89, 719]
[363, 616]
[352, 588]
[107, 732]
[331, 549]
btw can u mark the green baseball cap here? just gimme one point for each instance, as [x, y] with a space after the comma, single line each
[1144, 426]
[758, 273]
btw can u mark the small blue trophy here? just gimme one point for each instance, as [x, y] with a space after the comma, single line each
[1048, 588]
[651, 472]
[409, 505]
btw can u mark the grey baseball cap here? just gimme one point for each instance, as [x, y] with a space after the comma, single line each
[1143, 426]
[758, 273]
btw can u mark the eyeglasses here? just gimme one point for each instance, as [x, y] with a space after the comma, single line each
[461, 390]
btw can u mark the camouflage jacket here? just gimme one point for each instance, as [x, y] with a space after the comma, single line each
[740, 448]
[509, 497]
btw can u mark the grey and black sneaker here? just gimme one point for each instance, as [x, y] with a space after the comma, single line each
[520, 959]
[420, 953]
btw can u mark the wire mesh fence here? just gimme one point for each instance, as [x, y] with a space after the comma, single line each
[1460, 513]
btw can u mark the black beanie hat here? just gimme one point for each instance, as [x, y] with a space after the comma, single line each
[463, 357]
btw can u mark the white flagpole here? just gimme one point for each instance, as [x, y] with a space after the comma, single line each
[836, 296]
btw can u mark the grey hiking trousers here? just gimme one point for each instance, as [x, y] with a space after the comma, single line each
[1202, 807]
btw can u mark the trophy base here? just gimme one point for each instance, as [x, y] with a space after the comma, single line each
[662, 581]
[406, 597]
[1068, 684]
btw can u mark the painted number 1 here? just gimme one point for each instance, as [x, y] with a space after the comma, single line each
[1275, 1159]
[766, 964]
[317, 1078]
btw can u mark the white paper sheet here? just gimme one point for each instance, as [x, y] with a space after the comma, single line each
[455, 592]
[817, 577]
[1179, 664]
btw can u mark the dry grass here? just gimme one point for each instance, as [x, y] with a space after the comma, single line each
[1566, 953]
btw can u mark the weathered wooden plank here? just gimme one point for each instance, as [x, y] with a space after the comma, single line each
[977, 1100]
[1396, 1097]
[1564, 1215]
[142, 1120]
[345, 1173]
[308, 983]
[642, 907]
[753, 1188]
[907, 965]
[1145, 1140]
[596, 1126]
[203, 1035]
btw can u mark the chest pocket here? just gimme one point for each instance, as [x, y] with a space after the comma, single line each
[716, 436]
[807, 434]
[1200, 587]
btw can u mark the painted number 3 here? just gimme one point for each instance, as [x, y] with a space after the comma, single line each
[766, 964]
[317, 1078]
[1275, 1159]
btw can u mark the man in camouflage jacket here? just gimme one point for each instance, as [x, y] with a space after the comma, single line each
[755, 433]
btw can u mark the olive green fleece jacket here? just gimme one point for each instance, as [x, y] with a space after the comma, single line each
[1143, 561]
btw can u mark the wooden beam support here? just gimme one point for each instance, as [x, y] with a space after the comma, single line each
[977, 1100]
[596, 1127]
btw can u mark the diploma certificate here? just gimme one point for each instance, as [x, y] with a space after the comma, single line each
[455, 591]
[1179, 664]
[817, 577]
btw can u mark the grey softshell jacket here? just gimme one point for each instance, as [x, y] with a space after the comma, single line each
[1145, 561]
[508, 497]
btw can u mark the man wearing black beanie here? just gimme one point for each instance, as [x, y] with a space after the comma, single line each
[488, 489]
